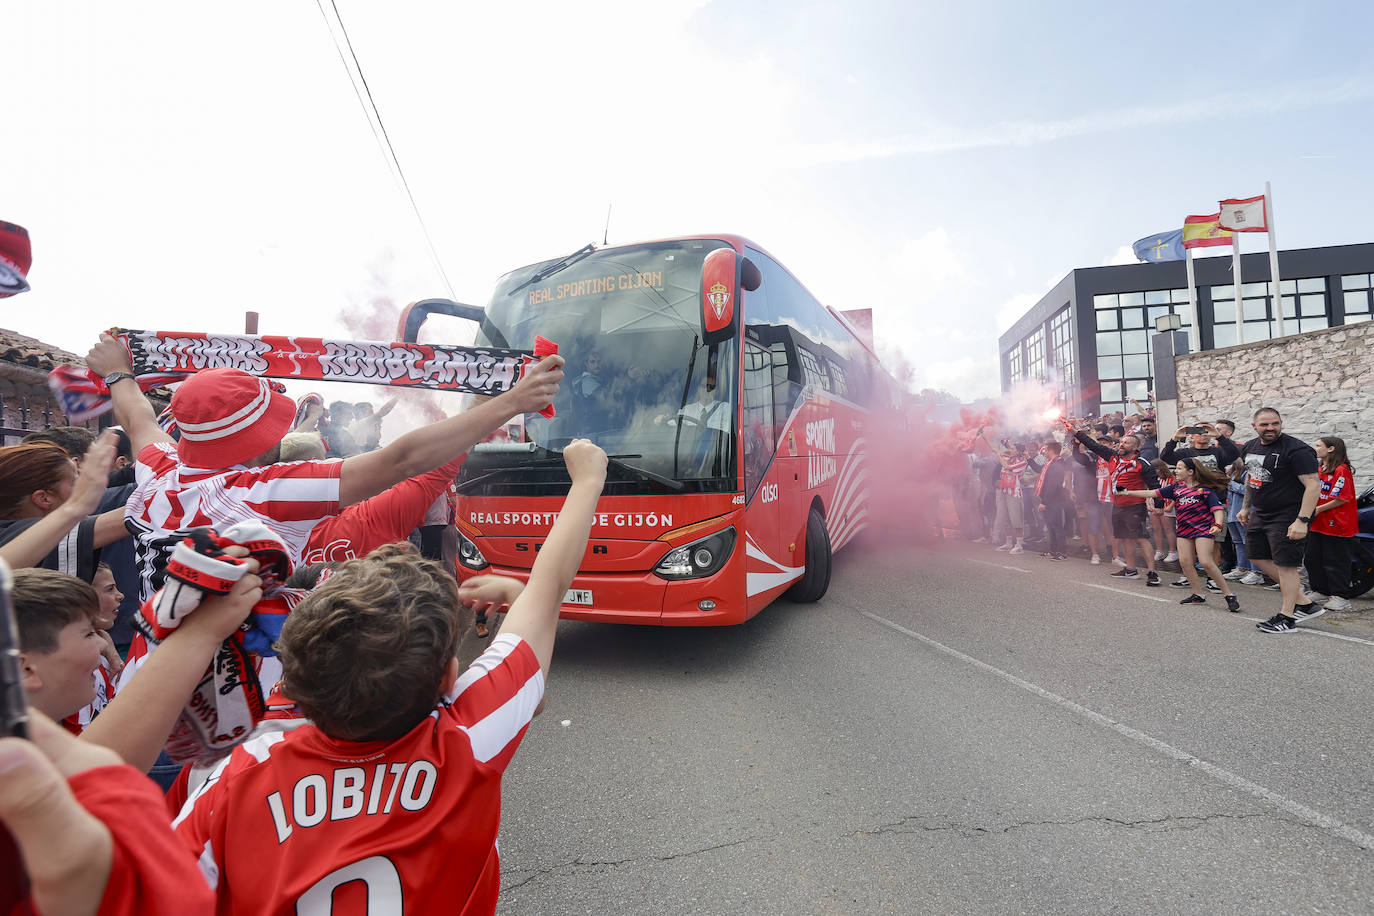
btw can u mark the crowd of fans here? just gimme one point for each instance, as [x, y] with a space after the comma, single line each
[1270, 511]
[284, 649]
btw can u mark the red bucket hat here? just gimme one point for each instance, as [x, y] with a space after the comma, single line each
[16, 257]
[227, 417]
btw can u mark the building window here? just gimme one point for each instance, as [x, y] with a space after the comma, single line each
[1355, 288]
[1015, 369]
[1062, 355]
[1125, 342]
[1304, 309]
[1035, 355]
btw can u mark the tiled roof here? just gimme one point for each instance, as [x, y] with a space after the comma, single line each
[26, 351]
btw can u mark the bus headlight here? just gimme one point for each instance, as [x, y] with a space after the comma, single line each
[469, 555]
[698, 559]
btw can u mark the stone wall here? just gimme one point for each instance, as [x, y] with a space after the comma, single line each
[1322, 382]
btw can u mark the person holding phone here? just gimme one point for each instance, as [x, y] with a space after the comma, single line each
[1200, 517]
[1217, 455]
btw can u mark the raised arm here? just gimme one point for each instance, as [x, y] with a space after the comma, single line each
[131, 407]
[1166, 453]
[426, 448]
[29, 548]
[534, 614]
[136, 723]
[1097, 448]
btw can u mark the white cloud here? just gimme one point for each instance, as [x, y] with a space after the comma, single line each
[1123, 255]
[1033, 133]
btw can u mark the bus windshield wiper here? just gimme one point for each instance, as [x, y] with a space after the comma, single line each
[616, 461]
[555, 267]
[539, 464]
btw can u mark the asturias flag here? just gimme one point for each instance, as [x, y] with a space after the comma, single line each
[1244, 215]
[1203, 231]
[1166, 246]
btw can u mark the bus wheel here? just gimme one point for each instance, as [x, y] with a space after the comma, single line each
[814, 582]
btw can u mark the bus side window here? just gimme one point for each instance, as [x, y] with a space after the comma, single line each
[760, 436]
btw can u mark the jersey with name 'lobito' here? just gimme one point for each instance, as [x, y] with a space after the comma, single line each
[303, 823]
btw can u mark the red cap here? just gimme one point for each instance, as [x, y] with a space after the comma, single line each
[228, 417]
[16, 257]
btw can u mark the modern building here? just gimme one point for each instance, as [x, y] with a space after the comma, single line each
[1092, 336]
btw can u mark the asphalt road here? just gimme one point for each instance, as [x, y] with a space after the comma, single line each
[951, 731]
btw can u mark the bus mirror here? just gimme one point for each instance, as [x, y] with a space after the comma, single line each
[718, 294]
[749, 276]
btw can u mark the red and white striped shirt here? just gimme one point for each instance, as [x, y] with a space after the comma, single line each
[289, 819]
[171, 499]
[1010, 478]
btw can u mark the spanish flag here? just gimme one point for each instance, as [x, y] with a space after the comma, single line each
[1205, 231]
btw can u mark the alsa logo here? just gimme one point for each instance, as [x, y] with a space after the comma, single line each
[524, 546]
[769, 493]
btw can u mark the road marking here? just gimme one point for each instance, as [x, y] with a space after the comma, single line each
[1122, 591]
[1301, 629]
[998, 565]
[1302, 812]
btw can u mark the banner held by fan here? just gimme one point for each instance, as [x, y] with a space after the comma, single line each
[169, 355]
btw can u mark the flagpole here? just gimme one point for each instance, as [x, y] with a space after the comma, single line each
[1194, 340]
[1274, 264]
[1235, 276]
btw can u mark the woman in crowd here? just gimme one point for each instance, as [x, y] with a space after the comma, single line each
[1334, 525]
[44, 509]
[1200, 518]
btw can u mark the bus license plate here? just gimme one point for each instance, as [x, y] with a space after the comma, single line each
[578, 596]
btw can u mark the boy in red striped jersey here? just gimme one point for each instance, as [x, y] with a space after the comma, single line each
[393, 792]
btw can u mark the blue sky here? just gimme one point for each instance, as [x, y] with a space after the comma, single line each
[943, 164]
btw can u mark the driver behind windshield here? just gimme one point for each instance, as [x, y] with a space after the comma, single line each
[710, 409]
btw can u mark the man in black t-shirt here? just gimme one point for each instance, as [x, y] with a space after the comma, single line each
[1280, 496]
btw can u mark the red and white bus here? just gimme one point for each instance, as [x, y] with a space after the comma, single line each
[735, 409]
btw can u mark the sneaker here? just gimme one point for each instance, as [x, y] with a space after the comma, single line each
[1171, 557]
[1017, 549]
[1338, 604]
[1004, 547]
[1126, 573]
[1194, 599]
[1318, 597]
[1278, 624]
[1212, 586]
[1152, 578]
[1117, 561]
[1252, 578]
[1233, 604]
[1181, 582]
[1159, 555]
[1308, 611]
[1059, 556]
[1235, 574]
[981, 541]
[1272, 585]
[1096, 560]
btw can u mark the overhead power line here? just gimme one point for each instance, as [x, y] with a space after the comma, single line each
[374, 121]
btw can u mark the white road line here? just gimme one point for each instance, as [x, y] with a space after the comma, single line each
[1301, 629]
[1302, 812]
[998, 565]
[1122, 591]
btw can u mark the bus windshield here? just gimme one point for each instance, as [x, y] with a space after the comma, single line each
[639, 380]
